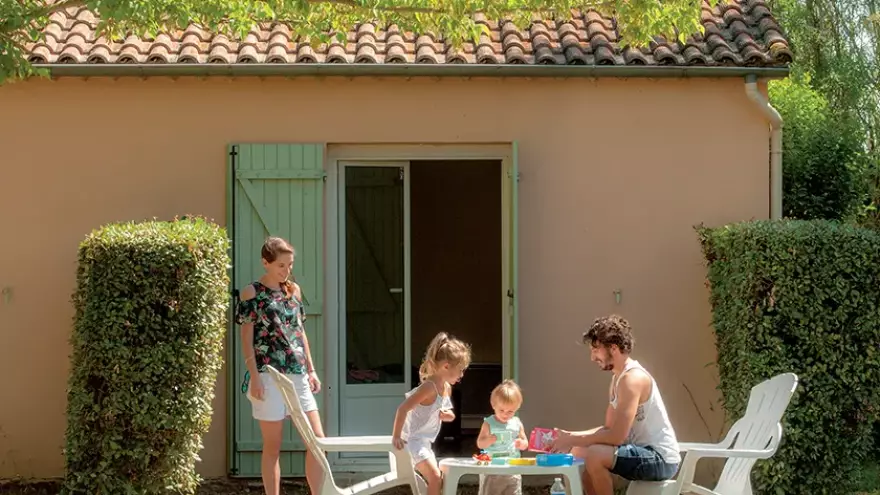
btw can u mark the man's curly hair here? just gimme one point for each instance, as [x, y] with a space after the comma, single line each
[610, 330]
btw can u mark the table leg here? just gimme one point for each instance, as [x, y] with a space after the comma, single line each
[573, 480]
[450, 481]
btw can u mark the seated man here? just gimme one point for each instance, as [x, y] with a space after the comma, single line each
[637, 441]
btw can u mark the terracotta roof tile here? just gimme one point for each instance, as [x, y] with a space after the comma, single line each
[737, 33]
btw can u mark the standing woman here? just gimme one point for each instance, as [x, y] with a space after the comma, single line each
[271, 316]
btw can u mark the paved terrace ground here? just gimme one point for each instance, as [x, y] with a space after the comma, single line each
[870, 485]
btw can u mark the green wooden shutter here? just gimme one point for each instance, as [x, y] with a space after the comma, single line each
[276, 189]
[513, 257]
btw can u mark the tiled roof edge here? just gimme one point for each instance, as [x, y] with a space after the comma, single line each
[404, 70]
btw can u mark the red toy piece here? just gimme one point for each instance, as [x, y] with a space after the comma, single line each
[483, 459]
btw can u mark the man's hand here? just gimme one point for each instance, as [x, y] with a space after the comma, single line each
[563, 443]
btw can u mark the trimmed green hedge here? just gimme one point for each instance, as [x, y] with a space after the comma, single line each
[151, 310]
[801, 296]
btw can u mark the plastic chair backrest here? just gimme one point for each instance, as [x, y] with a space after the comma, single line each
[759, 429]
[301, 422]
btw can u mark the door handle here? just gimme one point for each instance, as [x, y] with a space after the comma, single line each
[396, 290]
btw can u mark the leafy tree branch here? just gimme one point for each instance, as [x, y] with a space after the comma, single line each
[637, 21]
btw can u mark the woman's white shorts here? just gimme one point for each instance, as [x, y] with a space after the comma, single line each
[272, 407]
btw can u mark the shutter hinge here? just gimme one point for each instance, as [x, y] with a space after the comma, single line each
[233, 151]
[510, 293]
[510, 175]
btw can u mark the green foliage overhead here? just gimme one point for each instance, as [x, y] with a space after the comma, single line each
[317, 20]
[837, 43]
[801, 296]
[151, 310]
[824, 154]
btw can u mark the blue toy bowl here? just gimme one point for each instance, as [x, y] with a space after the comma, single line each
[554, 460]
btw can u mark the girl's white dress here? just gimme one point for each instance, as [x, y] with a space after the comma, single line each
[423, 425]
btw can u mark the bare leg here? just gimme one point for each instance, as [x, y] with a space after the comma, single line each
[269, 467]
[597, 475]
[585, 477]
[431, 472]
[314, 473]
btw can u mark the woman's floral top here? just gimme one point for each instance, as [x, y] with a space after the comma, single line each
[278, 330]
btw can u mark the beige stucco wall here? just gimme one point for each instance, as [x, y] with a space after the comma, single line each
[615, 173]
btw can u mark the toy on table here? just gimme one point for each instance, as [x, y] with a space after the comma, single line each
[540, 439]
[525, 461]
[554, 460]
[483, 459]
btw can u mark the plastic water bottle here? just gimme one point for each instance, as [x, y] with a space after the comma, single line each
[558, 488]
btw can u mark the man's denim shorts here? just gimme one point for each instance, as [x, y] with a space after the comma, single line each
[638, 463]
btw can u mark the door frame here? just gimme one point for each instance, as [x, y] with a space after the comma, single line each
[339, 154]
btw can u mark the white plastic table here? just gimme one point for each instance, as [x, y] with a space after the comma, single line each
[456, 467]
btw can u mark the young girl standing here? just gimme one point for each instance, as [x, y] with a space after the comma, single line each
[418, 418]
[271, 316]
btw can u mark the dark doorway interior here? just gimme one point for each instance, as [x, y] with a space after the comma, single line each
[456, 280]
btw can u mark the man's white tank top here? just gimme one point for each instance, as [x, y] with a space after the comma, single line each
[651, 426]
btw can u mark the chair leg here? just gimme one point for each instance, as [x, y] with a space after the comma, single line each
[419, 486]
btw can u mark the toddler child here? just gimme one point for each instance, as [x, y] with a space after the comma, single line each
[418, 418]
[503, 435]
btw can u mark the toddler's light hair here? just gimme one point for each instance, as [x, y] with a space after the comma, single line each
[444, 348]
[507, 393]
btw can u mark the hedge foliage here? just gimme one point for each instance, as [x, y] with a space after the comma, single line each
[801, 296]
[150, 319]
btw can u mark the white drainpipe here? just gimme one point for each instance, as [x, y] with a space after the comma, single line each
[775, 145]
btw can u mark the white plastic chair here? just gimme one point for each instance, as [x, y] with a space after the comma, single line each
[402, 472]
[754, 436]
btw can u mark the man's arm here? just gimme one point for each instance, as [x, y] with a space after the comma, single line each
[617, 421]
[609, 411]
[609, 416]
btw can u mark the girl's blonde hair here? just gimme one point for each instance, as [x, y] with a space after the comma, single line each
[444, 349]
[507, 393]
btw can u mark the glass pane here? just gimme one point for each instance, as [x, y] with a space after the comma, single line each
[374, 291]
